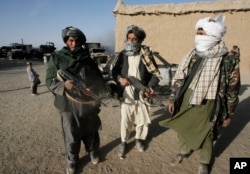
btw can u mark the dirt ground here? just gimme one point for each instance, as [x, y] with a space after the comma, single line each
[31, 139]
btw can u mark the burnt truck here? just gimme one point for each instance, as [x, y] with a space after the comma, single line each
[4, 51]
[48, 48]
[98, 54]
[19, 51]
[44, 50]
[26, 51]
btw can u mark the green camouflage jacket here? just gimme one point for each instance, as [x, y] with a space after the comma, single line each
[229, 86]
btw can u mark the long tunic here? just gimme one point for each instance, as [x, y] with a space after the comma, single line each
[192, 122]
[133, 111]
[33, 76]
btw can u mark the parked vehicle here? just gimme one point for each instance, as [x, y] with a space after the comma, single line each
[44, 50]
[167, 70]
[48, 48]
[4, 51]
[26, 51]
[97, 53]
[19, 51]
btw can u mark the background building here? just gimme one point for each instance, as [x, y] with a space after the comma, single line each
[170, 27]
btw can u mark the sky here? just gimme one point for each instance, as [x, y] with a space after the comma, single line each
[39, 21]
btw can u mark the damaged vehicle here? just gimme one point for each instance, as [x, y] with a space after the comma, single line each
[166, 69]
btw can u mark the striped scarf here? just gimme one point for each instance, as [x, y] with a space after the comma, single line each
[147, 59]
[206, 80]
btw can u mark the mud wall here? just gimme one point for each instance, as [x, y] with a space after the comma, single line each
[170, 28]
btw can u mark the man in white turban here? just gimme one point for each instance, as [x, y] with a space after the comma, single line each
[214, 29]
[204, 92]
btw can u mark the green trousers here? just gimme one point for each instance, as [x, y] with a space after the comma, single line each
[205, 151]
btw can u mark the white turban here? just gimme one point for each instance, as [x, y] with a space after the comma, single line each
[212, 27]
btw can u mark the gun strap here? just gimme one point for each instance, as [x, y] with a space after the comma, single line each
[92, 103]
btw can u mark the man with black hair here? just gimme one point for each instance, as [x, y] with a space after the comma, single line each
[135, 61]
[77, 106]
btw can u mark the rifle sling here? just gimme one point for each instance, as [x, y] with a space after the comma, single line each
[188, 79]
[92, 103]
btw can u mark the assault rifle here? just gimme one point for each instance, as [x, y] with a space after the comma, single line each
[136, 83]
[78, 84]
[139, 86]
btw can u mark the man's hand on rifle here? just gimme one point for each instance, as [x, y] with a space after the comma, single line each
[149, 93]
[88, 91]
[69, 84]
[124, 81]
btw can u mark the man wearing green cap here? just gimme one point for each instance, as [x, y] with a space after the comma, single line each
[77, 104]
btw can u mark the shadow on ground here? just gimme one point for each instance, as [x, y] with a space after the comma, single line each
[154, 130]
